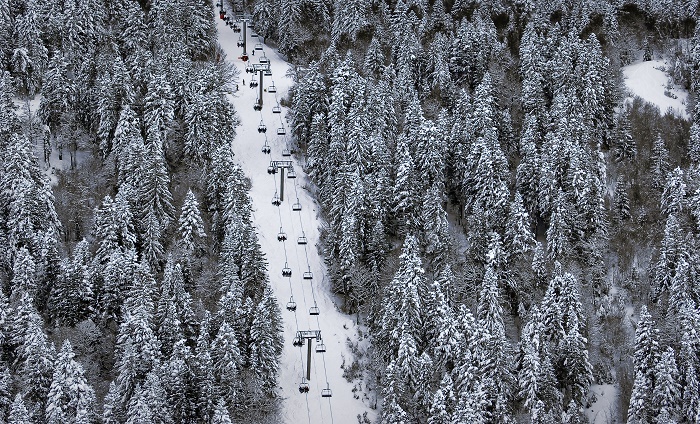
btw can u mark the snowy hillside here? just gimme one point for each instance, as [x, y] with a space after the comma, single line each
[385, 212]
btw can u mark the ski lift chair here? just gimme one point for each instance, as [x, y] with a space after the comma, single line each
[258, 46]
[303, 387]
[326, 393]
[314, 310]
[249, 69]
[308, 275]
[286, 152]
[291, 173]
[264, 59]
[296, 207]
[253, 84]
[281, 236]
[272, 170]
[276, 200]
[272, 88]
[302, 240]
[320, 347]
[298, 341]
[281, 131]
[291, 305]
[262, 128]
[276, 109]
[266, 148]
[286, 271]
[257, 106]
[254, 34]
[268, 72]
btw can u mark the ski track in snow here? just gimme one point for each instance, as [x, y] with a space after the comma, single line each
[336, 327]
[648, 81]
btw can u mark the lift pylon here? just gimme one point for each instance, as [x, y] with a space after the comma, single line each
[308, 335]
[281, 165]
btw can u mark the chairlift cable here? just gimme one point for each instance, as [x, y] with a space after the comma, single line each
[318, 321]
[303, 292]
[296, 318]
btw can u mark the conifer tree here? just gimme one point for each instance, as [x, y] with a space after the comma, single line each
[673, 196]
[70, 397]
[691, 396]
[156, 397]
[178, 378]
[154, 192]
[622, 201]
[221, 413]
[191, 225]
[402, 307]
[71, 299]
[139, 412]
[265, 340]
[518, 238]
[30, 56]
[19, 413]
[667, 389]
[646, 356]
[158, 105]
[227, 361]
[659, 162]
[37, 369]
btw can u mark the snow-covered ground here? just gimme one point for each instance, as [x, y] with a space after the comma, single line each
[28, 110]
[649, 80]
[336, 328]
[604, 409]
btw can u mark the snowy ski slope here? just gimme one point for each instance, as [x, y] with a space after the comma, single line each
[336, 328]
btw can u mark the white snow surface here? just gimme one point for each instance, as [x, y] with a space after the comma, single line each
[648, 80]
[336, 328]
[603, 410]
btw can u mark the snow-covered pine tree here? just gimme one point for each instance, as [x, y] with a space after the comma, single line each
[30, 56]
[401, 311]
[72, 296]
[646, 355]
[227, 361]
[659, 162]
[153, 190]
[673, 196]
[190, 224]
[667, 390]
[37, 370]
[178, 378]
[159, 106]
[70, 397]
[19, 413]
[349, 18]
[266, 341]
[519, 237]
[221, 415]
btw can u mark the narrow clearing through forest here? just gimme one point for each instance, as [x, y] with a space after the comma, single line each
[270, 220]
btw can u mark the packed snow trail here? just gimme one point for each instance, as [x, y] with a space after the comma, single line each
[336, 328]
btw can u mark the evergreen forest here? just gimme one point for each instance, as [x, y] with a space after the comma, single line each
[511, 228]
